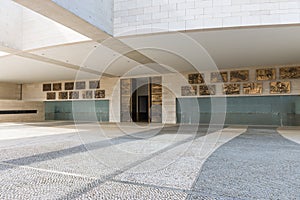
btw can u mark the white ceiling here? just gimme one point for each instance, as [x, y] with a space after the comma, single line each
[72, 53]
[92, 55]
[179, 51]
[225, 48]
[3, 53]
[23, 70]
[252, 46]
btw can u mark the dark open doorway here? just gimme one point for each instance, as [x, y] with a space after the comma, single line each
[143, 114]
[141, 100]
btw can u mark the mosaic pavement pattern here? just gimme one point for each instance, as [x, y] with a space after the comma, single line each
[61, 160]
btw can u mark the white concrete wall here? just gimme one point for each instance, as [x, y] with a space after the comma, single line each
[172, 84]
[22, 105]
[24, 29]
[97, 12]
[170, 93]
[34, 92]
[10, 24]
[112, 92]
[10, 91]
[150, 16]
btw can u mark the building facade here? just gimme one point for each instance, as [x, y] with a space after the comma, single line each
[175, 61]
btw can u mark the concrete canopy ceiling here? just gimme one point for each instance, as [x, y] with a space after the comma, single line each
[180, 51]
[23, 70]
[90, 55]
[252, 46]
[232, 48]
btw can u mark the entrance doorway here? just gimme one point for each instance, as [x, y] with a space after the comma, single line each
[143, 114]
[141, 100]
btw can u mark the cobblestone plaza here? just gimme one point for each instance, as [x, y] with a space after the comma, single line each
[150, 99]
[61, 160]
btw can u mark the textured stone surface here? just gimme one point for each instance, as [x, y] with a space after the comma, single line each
[259, 164]
[132, 17]
[113, 190]
[148, 163]
[22, 183]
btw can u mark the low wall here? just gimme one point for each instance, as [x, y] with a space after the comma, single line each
[21, 111]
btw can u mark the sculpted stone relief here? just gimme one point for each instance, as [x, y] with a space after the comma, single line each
[73, 90]
[249, 88]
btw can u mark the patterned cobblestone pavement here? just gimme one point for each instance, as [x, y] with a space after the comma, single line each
[187, 162]
[259, 164]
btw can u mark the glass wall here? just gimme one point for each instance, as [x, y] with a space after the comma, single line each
[77, 110]
[247, 110]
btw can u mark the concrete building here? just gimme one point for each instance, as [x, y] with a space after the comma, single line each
[56, 42]
[150, 63]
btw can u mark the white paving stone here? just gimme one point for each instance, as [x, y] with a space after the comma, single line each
[179, 166]
[291, 133]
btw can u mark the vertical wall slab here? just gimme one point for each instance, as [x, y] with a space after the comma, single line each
[39, 31]
[156, 99]
[10, 24]
[126, 92]
[112, 91]
[170, 86]
[97, 12]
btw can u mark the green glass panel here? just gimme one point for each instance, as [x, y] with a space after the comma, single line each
[258, 110]
[77, 110]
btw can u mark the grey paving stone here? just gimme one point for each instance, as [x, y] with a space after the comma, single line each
[19, 183]
[113, 190]
[259, 164]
